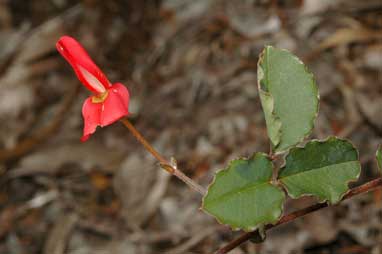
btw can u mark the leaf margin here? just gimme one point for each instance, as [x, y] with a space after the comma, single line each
[312, 195]
[277, 120]
[271, 181]
[378, 157]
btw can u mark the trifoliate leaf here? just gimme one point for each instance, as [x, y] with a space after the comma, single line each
[242, 195]
[321, 168]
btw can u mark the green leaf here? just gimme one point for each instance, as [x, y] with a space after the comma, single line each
[321, 168]
[378, 156]
[242, 195]
[289, 97]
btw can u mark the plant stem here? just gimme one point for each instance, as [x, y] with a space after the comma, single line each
[369, 186]
[165, 164]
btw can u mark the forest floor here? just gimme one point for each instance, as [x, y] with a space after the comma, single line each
[191, 69]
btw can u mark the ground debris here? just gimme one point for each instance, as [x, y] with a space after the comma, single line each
[191, 69]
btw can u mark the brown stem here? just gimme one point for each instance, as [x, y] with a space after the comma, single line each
[165, 164]
[369, 186]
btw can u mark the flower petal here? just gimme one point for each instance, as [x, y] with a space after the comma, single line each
[87, 71]
[123, 92]
[116, 104]
[91, 113]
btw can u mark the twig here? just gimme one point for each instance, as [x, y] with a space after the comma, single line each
[369, 186]
[57, 239]
[166, 165]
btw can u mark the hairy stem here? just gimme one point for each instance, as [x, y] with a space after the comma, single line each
[165, 164]
[369, 186]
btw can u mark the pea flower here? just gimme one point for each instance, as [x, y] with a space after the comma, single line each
[109, 102]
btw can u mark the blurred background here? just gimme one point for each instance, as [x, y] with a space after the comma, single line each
[190, 66]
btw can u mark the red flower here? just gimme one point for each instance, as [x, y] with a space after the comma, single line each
[108, 102]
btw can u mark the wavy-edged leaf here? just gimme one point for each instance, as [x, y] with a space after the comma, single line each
[378, 156]
[242, 195]
[321, 168]
[289, 97]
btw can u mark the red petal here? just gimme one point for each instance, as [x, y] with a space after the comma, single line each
[87, 71]
[91, 113]
[116, 104]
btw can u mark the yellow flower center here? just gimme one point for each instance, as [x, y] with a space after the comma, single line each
[100, 98]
